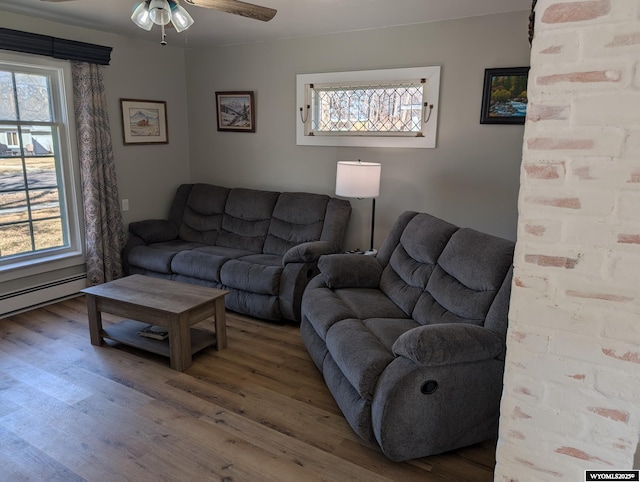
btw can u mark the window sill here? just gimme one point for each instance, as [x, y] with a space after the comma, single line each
[21, 268]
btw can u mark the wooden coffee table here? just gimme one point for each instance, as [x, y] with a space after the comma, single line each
[170, 304]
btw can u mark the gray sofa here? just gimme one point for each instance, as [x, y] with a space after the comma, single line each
[411, 342]
[262, 246]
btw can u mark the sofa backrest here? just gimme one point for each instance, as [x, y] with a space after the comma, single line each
[466, 279]
[198, 210]
[297, 218]
[259, 221]
[413, 259]
[246, 219]
[440, 273]
[336, 221]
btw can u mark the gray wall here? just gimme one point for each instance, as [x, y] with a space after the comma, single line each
[470, 179]
[147, 175]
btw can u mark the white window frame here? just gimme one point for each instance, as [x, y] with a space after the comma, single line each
[72, 254]
[304, 116]
[12, 139]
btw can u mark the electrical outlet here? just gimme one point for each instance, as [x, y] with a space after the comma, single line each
[125, 204]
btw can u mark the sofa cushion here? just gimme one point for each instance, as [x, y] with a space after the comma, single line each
[202, 217]
[387, 330]
[259, 273]
[246, 220]
[478, 260]
[449, 301]
[369, 303]
[414, 258]
[359, 354]
[469, 274]
[323, 308]
[151, 259]
[292, 225]
[175, 245]
[223, 251]
[158, 256]
[425, 237]
[401, 280]
[196, 264]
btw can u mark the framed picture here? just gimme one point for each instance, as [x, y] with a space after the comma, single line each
[236, 112]
[144, 121]
[504, 98]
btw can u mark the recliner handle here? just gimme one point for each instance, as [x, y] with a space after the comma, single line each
[429, 387]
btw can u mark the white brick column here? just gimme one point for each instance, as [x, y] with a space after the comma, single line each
[571, 398]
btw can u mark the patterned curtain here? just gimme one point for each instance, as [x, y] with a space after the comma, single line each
[104, 230]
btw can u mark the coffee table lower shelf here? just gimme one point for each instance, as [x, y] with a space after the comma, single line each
[127, 332]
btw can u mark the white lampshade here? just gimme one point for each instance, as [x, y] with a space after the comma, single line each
[159, 12]
[140, 16]
[358, 179]
[180, 18]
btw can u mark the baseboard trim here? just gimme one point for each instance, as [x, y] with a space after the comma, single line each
[45, 294]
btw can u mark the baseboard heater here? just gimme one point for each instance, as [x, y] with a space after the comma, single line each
[44, 294]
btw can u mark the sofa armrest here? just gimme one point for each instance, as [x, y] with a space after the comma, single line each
[350, 271]
[308, 252]
[446, 344]
[154, 230]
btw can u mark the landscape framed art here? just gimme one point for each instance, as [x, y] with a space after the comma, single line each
[504, 96]
[144, 121]
[236, 111]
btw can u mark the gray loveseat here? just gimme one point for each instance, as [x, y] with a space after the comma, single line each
[262, 246]
[411, 342]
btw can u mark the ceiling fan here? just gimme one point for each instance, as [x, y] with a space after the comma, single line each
[235, 7]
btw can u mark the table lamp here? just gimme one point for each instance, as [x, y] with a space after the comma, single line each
[357, 179]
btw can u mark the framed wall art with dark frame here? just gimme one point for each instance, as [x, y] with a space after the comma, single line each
[236, 111]
[144, 121]
[504, 97]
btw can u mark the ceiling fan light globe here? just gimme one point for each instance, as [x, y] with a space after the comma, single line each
[159, 12]
[140, 16]
[180, 17]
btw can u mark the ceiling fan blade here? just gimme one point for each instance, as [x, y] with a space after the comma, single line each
[237, 7]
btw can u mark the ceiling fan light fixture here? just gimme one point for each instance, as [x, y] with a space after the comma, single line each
[159, 12]
[140, 16]
[180, 17]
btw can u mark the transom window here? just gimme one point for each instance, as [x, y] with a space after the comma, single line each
[36, 216]
[369, 108]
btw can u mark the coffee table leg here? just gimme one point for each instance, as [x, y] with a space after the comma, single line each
[95, 320]
[180, 343]
[221, 324]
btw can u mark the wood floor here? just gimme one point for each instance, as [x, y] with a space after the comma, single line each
[256, 411]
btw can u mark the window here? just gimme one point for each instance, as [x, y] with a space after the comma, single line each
[367, 109]
[379, 108]
[38, 210]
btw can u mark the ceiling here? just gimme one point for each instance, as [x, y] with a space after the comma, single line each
[295, 18]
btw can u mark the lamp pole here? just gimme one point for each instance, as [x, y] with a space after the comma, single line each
[373, 219]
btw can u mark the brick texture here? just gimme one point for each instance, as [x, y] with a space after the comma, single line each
[575, 11]
[571, 398]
